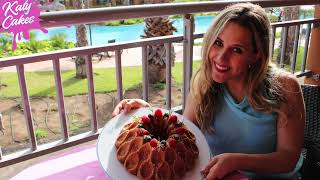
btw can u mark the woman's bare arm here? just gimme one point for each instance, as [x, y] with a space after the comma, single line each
[290, 134]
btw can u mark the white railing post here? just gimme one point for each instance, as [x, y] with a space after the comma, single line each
[168, 75]
[26, 106]
[91, 95]
[60, 96]
[295, 48]
[306, 47]
[0, 153]
[145, 82]
[187, 55]
[273, 38]
[284, 45]
[119, 75]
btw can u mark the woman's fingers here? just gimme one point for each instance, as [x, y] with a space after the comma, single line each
[127, 105]
[119, 107]
[212, 175]
[206, 170]
[135, 104]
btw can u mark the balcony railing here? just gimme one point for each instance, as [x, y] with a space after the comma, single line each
[53, 19]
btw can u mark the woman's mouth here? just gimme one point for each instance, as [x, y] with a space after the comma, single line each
[221, 68]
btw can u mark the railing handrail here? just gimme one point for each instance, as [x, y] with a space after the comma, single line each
[296, 22]
[82, 51]
[78, 51]
[85, 16]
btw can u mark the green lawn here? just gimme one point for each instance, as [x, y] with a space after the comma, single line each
[298, 60]
[43, 84]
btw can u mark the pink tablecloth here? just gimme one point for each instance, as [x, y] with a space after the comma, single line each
[80, 163]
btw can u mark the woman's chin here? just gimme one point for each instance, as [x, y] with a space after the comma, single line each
[218, 79]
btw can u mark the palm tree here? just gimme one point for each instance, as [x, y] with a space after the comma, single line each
[5, 41]
[33, 45]
[81, 33]
[289, 13]
[155, 27]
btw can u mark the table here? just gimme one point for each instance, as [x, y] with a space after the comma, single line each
[79, 163]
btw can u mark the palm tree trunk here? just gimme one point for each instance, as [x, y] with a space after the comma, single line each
[156, 63]
[289, 13]
[155, 27]
[81, 33]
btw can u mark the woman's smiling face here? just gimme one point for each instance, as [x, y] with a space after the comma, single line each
[231, 54]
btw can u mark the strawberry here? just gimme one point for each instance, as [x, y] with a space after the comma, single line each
[154, 142]
[158, 113]
[145, 119]
[172, 119]
[142, 132]
[172, 142]
[145, 132]
[180, 130]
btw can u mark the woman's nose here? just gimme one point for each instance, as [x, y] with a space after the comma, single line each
[222, 55]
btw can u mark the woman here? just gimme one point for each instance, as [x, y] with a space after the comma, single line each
[251, 114]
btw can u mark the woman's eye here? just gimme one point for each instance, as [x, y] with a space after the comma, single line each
[218, 43]
[237, 50]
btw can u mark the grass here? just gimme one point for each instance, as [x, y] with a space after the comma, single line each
[177, 72]
[159, 85]
[43, 84]
[197, 44]
[298, 60]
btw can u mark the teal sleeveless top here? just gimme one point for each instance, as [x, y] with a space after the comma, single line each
[238, 128]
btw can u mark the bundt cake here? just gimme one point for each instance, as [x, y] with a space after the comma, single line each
[157, 146]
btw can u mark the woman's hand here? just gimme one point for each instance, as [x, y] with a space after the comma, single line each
[127, 105]
[219, 166]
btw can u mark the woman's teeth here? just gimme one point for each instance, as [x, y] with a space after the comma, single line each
[221, 68]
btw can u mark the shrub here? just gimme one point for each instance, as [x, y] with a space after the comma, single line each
[159, 86]
[41, 133]
[58, 41]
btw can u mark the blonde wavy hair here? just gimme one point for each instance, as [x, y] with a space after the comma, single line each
[263, 89]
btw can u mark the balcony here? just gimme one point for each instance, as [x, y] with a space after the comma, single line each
[64, 139]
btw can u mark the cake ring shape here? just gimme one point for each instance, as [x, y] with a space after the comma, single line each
[157, 146]
[107, 151]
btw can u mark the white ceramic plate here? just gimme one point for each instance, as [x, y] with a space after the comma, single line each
[106, 151]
